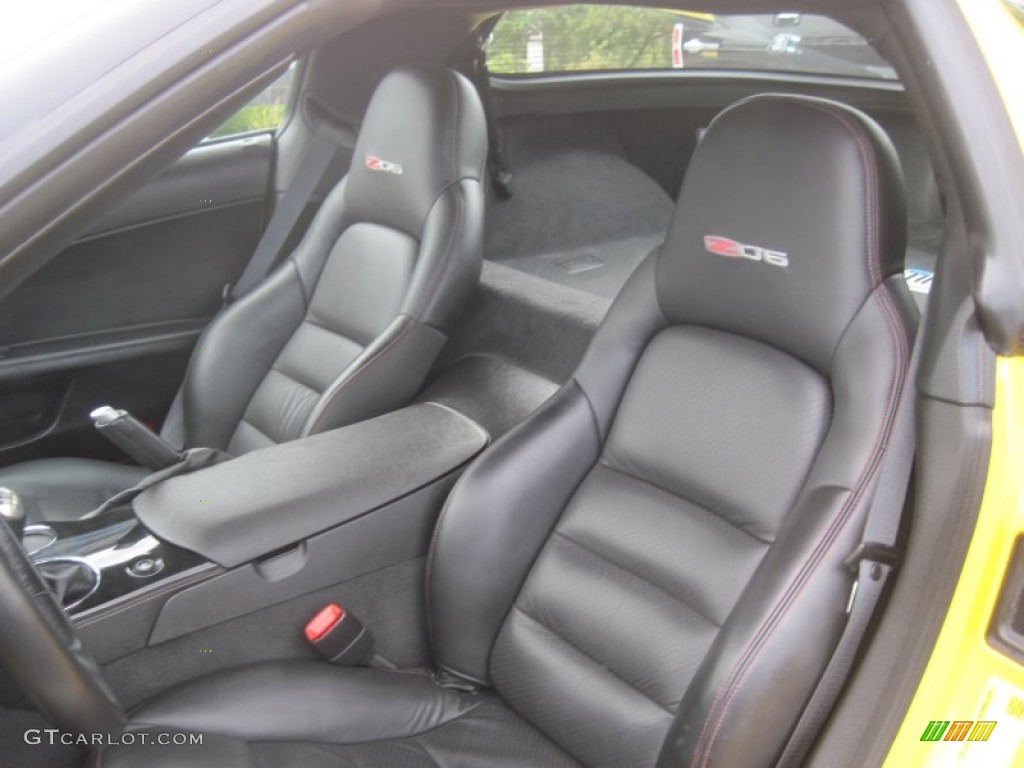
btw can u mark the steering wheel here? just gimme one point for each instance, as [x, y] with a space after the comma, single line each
[45, 655]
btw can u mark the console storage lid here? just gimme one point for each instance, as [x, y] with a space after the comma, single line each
[243, 509]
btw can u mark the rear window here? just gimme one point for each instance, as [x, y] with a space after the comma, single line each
[615, 38]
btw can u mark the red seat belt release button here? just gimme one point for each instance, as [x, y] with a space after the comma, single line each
[339, 636]
[324, 621]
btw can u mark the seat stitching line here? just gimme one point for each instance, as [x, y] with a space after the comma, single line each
[326, 329]
[640, 577]
[728, 521]
[590, 658]
[304, 385]
[248, 423]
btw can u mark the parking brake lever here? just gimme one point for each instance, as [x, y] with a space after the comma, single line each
[135, 438]
[12, 512]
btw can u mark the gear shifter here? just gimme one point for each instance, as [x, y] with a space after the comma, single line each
[12, 511]
[70, 580]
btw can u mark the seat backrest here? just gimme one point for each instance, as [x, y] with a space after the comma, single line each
[349, 324]
[650, 568]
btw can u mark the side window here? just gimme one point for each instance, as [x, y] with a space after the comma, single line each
[266, 112]
[617, 38]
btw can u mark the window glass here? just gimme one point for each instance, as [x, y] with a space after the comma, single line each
[594, 38]
[266, 112]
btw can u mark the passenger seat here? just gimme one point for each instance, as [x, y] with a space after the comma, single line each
[348, 326]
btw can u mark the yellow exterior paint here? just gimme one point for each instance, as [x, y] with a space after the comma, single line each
[692, 14]
[964, 669]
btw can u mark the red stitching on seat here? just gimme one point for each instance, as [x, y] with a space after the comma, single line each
[757, 643]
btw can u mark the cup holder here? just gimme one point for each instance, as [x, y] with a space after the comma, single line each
[36, 538]
[71, 579]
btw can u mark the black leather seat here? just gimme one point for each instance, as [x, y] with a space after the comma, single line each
[345, 328]
[649, 570]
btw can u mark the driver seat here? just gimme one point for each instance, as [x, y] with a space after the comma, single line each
[649, 570]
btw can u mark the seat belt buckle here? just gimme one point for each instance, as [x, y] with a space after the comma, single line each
[872, 552]
[501, 180]
[452, 682]
[339, 636]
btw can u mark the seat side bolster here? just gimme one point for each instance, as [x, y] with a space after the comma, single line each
[235, 353]
[385, 376]
[494, 524]
[305, 700]
[451, 256]
[632, 321]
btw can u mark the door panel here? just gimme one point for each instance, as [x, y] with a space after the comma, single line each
[46, 414]
[113, 317]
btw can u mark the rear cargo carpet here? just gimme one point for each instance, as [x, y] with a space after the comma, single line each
[601, 268]
[581, 213]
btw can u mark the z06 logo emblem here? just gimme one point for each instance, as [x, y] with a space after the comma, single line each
[374, 163]
[723, 246]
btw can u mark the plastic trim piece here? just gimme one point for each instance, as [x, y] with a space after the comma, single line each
[390, 535]
[70, 352]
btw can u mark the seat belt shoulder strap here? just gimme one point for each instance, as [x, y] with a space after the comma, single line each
[322, 149]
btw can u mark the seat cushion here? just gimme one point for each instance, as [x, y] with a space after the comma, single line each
[313, 714]
[67, 489]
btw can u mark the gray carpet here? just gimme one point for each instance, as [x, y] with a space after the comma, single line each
[573, 187]
[527, 321]
[496, 394]
[601, 268]
[520, 338]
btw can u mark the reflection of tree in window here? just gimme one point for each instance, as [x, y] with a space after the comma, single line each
[264, 113]
[582, 37]
[608, 37]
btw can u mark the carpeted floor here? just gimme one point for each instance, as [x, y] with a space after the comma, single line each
[600, 268]
[581, 213]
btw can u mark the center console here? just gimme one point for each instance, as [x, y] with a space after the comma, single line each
[201, 548]
[95, 561]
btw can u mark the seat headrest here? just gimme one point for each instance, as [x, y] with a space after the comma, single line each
[423, 130]
[791, 213]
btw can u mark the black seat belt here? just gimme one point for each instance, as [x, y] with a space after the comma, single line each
[501, 178]
[472, 61]
[323, 146]
[873, 561]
